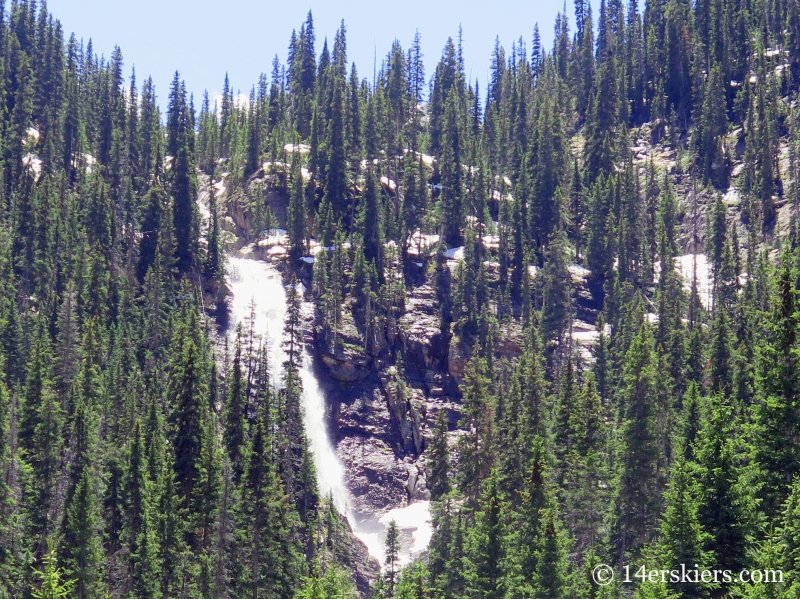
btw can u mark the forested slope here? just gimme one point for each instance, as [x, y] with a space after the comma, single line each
[491, 269]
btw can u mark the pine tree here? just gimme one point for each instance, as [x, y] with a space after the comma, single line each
[475, 448]
[274, 555]
[50, 579]
[725, 507]
[777, 376]
[138, 528]
[187, 389]
[682, 538]
[297, 218]
[556, 292]
[484, 563]
[713, 122]
[451, 198]
[391, 567]
[551, 579]
[83, 556]
[235, 409]
[438, 466]
[637, 503]
[180, 145]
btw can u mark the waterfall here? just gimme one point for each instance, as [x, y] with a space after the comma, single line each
[258, 286]
[259, 283]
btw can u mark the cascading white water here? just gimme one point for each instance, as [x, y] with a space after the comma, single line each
[258, 286]
[260, 283]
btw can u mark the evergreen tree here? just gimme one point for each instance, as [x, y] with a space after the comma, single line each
[638, 497]
[391, 567]
[775, 419]
[485, 555]
[438, 479]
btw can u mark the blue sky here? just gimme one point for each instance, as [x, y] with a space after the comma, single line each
[204, 39]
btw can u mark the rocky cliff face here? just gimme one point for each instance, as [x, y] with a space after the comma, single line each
[381, 414]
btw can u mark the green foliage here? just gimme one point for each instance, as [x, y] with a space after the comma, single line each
[164, 467]
[51, 583]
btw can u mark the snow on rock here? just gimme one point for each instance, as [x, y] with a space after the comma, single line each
[388, 183]
[419, 242]
[491, 242]
[268, 232]
[299, 148]
[455, 253]
[428, 160]
[502, 197]
[686, 266]
[273, 237]
[579, 273]
[731, 197]
[34, 163]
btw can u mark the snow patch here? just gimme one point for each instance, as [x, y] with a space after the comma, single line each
[387, 182]
[419, 242]
[579, 272]
[731, 197]
[34, 163]
[455, 253]
[299, 148]
[428, 160]
[273, 237]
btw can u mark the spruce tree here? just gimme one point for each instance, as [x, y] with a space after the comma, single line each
[391, 567]
[485, 554]
[637, 503]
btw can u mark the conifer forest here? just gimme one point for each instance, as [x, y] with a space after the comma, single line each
[556, 317]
